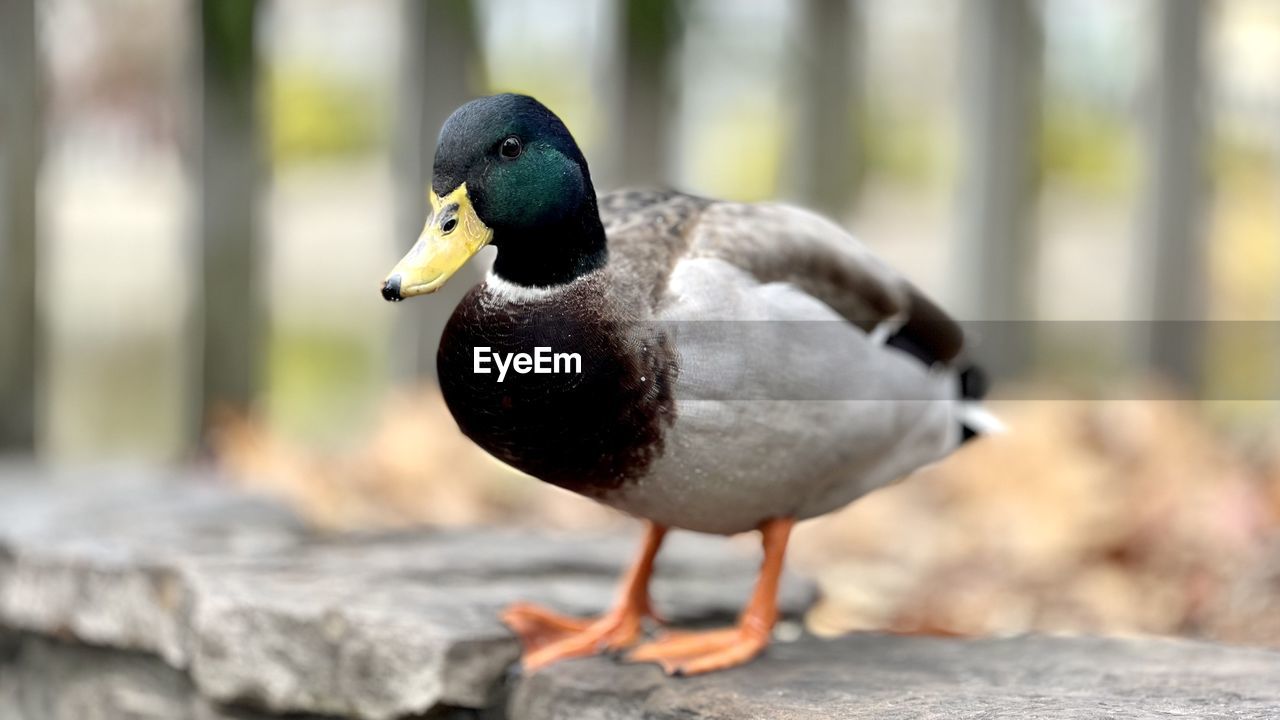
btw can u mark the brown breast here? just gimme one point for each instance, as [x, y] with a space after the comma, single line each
[588, 431]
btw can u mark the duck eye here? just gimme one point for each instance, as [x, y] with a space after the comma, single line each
[510, 148]
[449, 225]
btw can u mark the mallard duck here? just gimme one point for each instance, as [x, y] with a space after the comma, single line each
[738, 366]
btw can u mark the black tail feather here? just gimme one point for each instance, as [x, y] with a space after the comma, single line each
[973, 383]
[973, 387]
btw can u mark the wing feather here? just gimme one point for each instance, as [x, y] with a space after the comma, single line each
[781, 243]
[650, 231]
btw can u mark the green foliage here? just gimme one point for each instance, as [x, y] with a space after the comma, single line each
[1090, 150]
[652, 26]
[722, 169]
[903, 147]
[227, 30]
[320, 116]
[321, 382]
[1238, 158]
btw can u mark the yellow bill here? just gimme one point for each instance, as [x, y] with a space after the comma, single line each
[453, 234]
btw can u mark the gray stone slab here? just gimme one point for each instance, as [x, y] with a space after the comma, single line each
[177, 598]
[886, 677]
[259, 611]
[43, 679]
[103, 559]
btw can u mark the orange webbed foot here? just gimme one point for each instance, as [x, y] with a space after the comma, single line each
[694, 653]
[548, 637]
[538, 627]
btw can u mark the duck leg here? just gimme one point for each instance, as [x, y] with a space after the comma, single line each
[548, 637]
[691, 653]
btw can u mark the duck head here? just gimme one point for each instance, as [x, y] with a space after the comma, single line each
[507, 173]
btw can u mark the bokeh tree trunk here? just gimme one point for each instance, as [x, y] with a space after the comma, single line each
[823, 165]
[440, 69]
[21, 141]
[230, 306]
[648, 36]
[1172, 256]
[994, 260]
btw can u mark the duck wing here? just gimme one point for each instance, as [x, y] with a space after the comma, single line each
[652, 232]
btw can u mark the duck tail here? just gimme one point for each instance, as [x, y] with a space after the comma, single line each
[975, 420]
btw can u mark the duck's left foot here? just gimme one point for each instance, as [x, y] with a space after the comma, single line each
[548, 637]
[538, 627]
[693, 653]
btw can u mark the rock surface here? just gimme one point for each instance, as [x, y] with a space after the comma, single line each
[260, 611]
[123, 598]
[876, 676]
[48, 680]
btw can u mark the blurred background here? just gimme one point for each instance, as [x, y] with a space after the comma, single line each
[199, 199]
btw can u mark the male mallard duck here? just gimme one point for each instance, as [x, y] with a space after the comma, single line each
[738, 366]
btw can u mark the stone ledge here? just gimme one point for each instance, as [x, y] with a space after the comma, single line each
[175, 598]
[260, 611]
[878, 676]
[48, 680]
